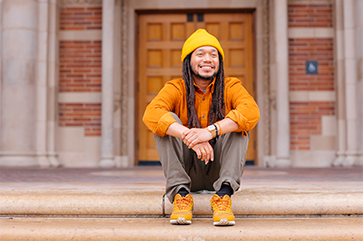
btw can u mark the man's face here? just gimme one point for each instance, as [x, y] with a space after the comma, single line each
[205, 62]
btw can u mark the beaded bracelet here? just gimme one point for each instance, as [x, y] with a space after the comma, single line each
[216, 130]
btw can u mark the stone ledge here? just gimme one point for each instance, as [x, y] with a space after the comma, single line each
[161, 229]
[248, 202]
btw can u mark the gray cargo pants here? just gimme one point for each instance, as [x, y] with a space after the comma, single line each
[227, 167]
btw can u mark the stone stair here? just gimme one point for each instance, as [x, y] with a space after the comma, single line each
[138, 213]
[74, 205]
[200, 229]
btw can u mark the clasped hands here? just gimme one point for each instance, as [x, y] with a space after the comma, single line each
[197, 139]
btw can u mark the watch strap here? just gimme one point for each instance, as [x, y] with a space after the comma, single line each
[212, 129]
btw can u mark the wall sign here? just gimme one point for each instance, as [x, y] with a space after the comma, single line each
[311, 67]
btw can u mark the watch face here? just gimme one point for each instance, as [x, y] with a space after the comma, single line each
[211, 128]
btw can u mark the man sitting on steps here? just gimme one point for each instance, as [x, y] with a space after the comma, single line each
[201, 125]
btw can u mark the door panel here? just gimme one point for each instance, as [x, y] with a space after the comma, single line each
[161, 38]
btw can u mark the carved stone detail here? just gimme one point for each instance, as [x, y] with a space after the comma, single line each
[266, 79]
[124, 78]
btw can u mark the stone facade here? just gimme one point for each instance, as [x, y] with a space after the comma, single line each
[68, 93]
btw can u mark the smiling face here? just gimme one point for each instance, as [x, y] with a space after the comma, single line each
[205, 63]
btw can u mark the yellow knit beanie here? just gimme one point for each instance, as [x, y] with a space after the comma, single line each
[198, 39]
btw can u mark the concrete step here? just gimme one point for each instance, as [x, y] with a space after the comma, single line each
[109, 200]
[160, 229]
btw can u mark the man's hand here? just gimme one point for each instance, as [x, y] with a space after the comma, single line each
[204, 151]
[194, 136]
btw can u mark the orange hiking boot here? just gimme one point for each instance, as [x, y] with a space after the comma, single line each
[182, 211]
[222, 210]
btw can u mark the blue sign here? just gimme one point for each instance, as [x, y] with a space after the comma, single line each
[311, 67]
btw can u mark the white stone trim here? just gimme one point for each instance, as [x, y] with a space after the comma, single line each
[329, 126]
[311, 32]
[80, 35]
[310, 1]
[303, 96]
[80, 97]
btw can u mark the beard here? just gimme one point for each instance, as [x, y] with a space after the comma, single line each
[204, 77]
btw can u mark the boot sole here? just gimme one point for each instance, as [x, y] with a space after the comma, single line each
[224, 222]
[180, 221]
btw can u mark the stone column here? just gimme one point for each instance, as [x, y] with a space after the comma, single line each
[52, 82]
[359, 38]
[351, 77]
[107, 158]
[41, 84]
[282, 85]
[19, 61]
[340, 83]
[1, 72]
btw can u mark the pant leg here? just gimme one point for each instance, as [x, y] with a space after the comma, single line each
[174, 156]
[230, 157]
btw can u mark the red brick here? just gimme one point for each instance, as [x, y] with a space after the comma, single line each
[81, 115]
[80, 18]
[72, 9]
[305, 120]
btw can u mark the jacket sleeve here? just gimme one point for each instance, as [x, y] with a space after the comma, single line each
[157, 116]
[244, 110]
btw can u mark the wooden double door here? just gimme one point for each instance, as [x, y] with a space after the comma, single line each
[161, 38]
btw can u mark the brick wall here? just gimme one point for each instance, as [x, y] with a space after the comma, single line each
[80, 69]
[310, 15]
[305, 121]
[81, 115]
[80, 66]
[306, 116]
[80, 18]
[320, 49]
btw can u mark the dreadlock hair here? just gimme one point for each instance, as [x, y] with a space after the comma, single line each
[217, 108]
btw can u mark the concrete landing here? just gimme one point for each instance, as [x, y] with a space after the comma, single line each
[161, 229]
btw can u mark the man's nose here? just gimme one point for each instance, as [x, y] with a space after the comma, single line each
[207, 57]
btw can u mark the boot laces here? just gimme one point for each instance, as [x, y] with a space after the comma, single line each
[182, 203]
[222, 204]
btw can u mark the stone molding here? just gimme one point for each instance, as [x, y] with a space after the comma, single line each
[72, 3]
[70, 35]
[266, 79]
[299, 32]
[124, 79]
[79, 97]
[310, 2]
[315, 96]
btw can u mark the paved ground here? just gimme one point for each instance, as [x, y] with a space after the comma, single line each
[155, 174]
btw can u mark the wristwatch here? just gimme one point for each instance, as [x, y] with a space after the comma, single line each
[212, 129]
